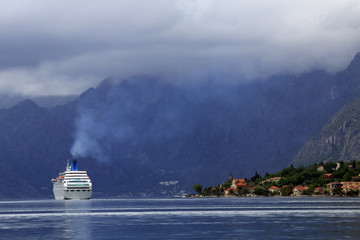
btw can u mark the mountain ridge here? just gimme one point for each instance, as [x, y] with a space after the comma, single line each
[339, 140]
[150, 131]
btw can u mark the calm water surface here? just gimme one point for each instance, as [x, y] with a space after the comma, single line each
[211, 218]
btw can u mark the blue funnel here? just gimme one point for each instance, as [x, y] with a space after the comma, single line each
[74, 166]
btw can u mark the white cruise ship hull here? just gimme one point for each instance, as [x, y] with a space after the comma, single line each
[61, 193]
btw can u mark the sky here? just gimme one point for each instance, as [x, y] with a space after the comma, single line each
[50, 47]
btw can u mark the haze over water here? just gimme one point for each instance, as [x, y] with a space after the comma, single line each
[206, 218]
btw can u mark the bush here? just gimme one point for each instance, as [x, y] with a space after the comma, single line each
[338, 191]
[260, 191]
[287, 191]
[242, 191]
[352, 193]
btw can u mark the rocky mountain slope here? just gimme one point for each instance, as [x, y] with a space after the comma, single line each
[339, 140]
[142, 135]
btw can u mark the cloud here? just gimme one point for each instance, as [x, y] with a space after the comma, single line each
[64, 47]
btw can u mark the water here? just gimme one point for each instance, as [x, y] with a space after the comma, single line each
[207, 218]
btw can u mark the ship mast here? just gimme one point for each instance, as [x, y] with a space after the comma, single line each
[67, 166]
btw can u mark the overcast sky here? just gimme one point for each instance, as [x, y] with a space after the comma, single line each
[50, 47]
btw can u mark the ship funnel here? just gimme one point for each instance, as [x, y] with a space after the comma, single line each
[74, 166]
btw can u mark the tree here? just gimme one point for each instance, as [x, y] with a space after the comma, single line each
[347, 177]
[256, 176]
[287, 191]
[227, 184]
[329, 167]
[341, 172]
[242, 191]
[309, 190]
[207, 191]
[352, 193]
[260, 191]
[337, 191]
[353, 164]
[217, 191]
[197, 188]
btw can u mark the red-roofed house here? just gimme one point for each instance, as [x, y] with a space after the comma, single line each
[299, 190]
[238, 183]
[230, 191]
[274, 189]
[275, 179]
[357, 184]
[328, 176]
[348, 186]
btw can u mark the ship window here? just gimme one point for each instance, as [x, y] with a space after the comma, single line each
[72, 190]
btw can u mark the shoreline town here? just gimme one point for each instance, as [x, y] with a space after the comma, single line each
[320, 180]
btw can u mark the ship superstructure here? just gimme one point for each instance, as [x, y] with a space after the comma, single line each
[72, 184]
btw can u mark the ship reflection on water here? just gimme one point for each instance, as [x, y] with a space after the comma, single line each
[77, 221]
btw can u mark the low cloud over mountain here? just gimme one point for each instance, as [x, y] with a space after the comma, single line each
[61, 48]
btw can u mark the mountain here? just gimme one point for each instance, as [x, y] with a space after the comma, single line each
[31, 140]
[147, 136]
[7, 100]
[339, 140]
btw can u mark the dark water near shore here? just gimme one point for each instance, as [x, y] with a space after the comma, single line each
[210, 218]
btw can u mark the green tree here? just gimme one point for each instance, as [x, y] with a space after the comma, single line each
[256, 176]
[341, 172]
[329, 167]
[227, 184]
[347, 177]
[207, 191]
[337, 191]
[217, 191]
[352, 193]
[260, 191]
[197, 188]
[242, 191]
[309, 190]
[287, 191]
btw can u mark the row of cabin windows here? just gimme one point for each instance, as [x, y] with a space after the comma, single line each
[78, 190]
[77, 176]
[77, 181]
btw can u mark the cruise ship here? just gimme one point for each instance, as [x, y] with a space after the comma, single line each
[72, 183]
